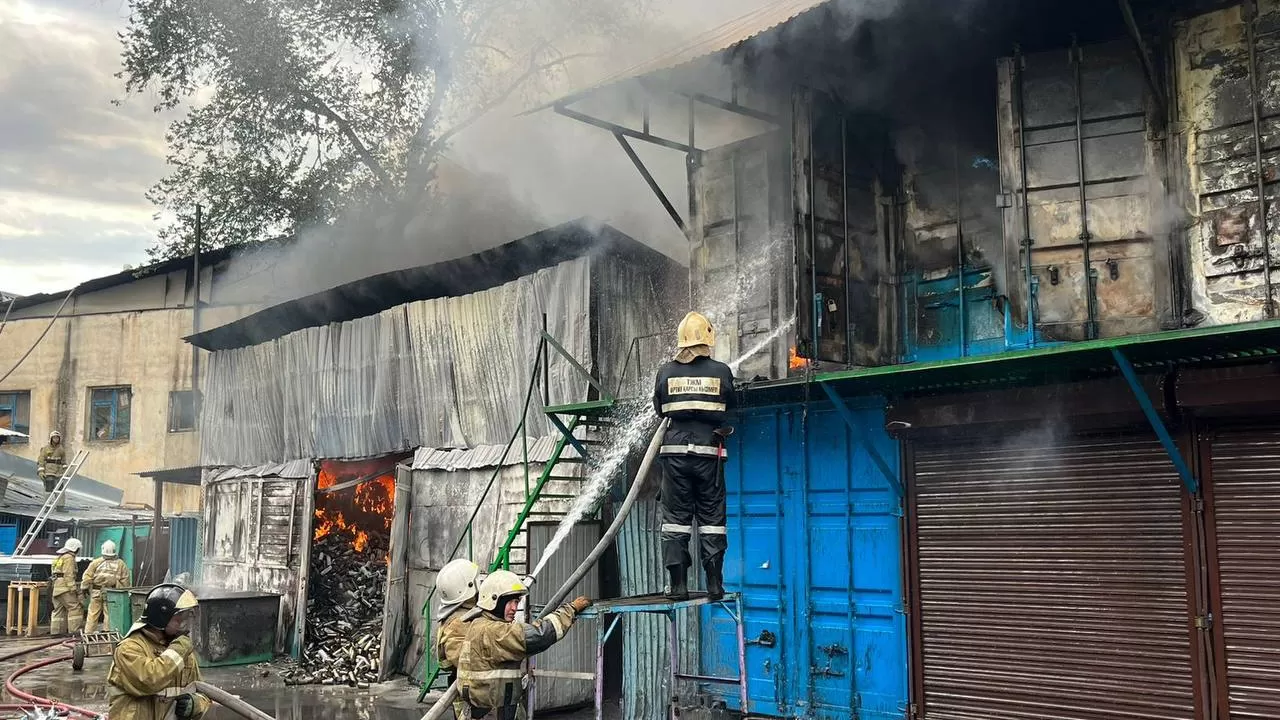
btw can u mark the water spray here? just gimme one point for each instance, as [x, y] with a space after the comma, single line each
[639, 423]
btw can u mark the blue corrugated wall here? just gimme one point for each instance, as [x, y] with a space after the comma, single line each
[816, 547]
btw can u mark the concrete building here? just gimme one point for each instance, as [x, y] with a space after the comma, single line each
[106, 365]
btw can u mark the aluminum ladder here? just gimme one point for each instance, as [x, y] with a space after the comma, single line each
[51, 502]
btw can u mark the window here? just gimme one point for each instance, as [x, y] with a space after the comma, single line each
[109, 413]
[15, 413]
[182, 411]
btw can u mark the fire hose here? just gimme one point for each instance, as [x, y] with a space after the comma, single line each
[445, 702]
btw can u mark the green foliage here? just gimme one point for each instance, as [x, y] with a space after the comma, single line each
[298, 109]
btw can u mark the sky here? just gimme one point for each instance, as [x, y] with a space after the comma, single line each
[74, 167]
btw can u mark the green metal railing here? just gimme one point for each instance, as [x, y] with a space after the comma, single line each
[533, 491]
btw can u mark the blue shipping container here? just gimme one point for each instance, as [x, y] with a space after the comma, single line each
[815, 545]
[8, 538]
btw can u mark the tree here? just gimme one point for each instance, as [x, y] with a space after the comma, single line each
[297, 109]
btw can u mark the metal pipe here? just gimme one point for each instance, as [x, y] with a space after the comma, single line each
[546, 365]
[1091, 278]
[960, 259]
[848, 272]
[195, 318]
[709, 679]
[1027, 241]
[742, 655]
[445, 702]
[1255, 94]
[813, 239]
[673, 707]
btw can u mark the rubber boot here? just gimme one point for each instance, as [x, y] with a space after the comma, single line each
[679, 589]
[714, 570]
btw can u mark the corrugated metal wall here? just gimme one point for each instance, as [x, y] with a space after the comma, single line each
[646, 654]
[184, 544]
[577, 651]
[439, 373]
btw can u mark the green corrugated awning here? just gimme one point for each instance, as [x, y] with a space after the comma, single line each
[1217, 345]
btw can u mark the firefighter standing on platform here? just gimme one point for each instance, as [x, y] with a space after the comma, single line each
[456, 583]
[68, 613]
[106, 572]
[695, 393]
[489, 669]
[52, 462]
[155, 661]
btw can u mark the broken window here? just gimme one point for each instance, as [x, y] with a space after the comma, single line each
[109, 413]
[15, 413]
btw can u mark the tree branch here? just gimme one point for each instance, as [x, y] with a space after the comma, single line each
[494, 102]
[316, 105]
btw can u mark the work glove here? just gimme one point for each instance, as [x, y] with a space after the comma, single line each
[580, 604]
[182, 644]
[184, 706]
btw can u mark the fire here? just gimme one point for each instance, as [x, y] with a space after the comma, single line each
[359, 511]
[795, 362]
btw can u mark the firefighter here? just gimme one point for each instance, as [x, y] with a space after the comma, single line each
[695, 393]
[489, 669]
[52, 462]
[155, 661]
[106, 572]
[456, 585]
[68, 612]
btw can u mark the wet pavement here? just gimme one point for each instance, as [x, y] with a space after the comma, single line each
[260, 685]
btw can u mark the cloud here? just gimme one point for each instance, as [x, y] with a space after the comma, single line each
[73, 167]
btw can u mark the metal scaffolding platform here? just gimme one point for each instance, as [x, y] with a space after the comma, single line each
[611, 612]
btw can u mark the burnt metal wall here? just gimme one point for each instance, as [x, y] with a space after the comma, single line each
[1224, 61]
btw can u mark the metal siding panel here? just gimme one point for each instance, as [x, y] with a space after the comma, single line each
[576, 652]
[645, 645]
[1052, 580]
[183, 536]
[826, 582]
[1246, 516]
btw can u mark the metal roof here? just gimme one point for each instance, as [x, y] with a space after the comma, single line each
[485, 456]
[6, 432]
[288, 470]
[86, 501]
[718, 39]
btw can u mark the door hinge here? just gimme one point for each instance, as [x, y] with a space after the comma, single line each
[1204, 622]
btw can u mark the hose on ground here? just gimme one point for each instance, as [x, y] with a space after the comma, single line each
[230, 702]
[445, 703]
[10, 684]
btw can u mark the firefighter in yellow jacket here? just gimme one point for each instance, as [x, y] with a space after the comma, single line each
[489, 669]
[68, 612]
[106, 572]
[52, 462]
[456, 585]
[155, 662]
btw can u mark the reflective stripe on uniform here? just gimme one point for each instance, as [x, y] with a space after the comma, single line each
[490, 674]
[712, 530]
[710, 450]
[173, 656]
[694, 405]
[677, 529]
[559, 626]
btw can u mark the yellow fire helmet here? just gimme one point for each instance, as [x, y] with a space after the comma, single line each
[500, 584]
[695, 329]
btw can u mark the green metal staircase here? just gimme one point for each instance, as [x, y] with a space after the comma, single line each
[547, 497]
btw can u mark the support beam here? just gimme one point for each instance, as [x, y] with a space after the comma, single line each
[860, 434]
[568, 435]
[604, 394]
[652, 183]
[727, 105]
[1144, 55]
[619, 129]
[1157, 423]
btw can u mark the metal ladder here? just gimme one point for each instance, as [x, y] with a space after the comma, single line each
[51, 502]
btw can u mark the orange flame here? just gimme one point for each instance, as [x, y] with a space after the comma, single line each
[795, 362]
[368, 507]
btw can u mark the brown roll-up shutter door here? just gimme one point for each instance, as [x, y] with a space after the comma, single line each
[1050, 581]
[1244, 501]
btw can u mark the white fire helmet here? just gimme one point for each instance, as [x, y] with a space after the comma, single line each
[71, 545]
[109, 549]
[500, 584]
[456, 584]
[55, 434]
